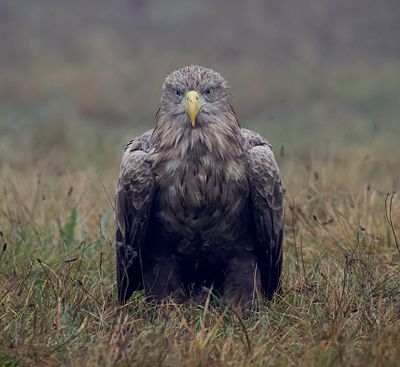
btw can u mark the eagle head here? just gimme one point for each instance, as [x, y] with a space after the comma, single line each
[195, 96]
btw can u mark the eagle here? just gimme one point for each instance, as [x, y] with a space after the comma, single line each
[199, 201]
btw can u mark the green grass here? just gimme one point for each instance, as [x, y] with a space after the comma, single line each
[341, 297]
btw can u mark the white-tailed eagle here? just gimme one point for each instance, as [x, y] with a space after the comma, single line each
[199, 201]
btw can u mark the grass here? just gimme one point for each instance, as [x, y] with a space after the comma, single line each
[341, 297]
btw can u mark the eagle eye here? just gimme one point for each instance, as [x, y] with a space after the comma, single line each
[178, 94]
[208, 92]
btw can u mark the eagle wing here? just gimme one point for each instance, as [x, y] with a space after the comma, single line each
[133, 201]
[266, 192]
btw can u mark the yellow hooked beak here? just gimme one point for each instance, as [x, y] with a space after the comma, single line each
[192, 104]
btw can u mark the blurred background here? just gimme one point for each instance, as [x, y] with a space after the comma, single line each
[317, 78]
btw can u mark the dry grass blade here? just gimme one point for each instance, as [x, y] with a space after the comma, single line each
[389, 216]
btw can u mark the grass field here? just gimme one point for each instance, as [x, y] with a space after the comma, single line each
[341, 297]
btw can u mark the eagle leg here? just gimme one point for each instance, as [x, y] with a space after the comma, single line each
[162, 280]
[243, 282]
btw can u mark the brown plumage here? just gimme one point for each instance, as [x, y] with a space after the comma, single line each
[199, 201]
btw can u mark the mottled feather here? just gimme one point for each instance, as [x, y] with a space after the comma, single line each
[132, 208]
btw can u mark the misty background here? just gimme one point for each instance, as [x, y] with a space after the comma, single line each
[78, 77]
